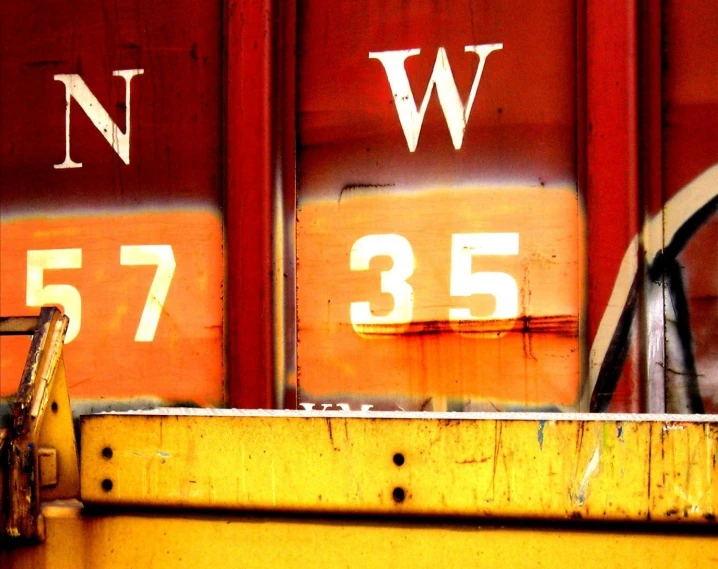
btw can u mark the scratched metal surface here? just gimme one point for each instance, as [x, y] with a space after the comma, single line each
[530, 466]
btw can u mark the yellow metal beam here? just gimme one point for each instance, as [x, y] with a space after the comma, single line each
[541, 466]
[172, 540]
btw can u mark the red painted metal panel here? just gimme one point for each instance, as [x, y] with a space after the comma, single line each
[150, 176]
[285, 227]
[613, 210]
[652, 194]
[363, 181]
[598, 116]
[249, 204]
[690, 191]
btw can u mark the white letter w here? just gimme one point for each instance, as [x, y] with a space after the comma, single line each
[456, 114]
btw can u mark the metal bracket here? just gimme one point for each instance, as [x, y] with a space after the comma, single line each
[38, 453]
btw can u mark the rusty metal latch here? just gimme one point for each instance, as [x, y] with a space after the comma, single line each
[38, 452]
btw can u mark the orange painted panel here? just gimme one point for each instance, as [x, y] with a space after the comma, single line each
[530, 359]
[115, 353]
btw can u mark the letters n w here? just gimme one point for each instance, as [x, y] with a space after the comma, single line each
[455, 112]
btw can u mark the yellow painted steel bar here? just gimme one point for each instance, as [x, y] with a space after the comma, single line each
[539, 466]
[41, 452]
[171, 540]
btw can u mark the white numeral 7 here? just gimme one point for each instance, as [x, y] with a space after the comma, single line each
[163, 257]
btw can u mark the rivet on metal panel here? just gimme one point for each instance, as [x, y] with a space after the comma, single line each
[399, 495]
[398, 459]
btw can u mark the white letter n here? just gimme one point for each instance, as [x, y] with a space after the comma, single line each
[456, 114]
[77, 88]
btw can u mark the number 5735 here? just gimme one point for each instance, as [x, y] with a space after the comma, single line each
[462, 281]
[38, 294]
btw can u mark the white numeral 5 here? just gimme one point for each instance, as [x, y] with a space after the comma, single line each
[393, 281]
[65, 295]
[502, 286]
[163, 257]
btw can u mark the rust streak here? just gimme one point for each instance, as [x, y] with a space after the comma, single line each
[561, 325]
[331, 434]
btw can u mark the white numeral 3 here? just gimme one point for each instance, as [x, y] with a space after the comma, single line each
[393, 281]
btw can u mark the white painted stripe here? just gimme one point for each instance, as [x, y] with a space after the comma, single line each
[657, 231]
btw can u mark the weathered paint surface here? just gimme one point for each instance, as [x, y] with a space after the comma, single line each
[182, 359]
[111, 176]
[408, 102]
[459, 125]
[652, 270]
[629, 122]
[548, 467]
[500, 359]
[690, 149]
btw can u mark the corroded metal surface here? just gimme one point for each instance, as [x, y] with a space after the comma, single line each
[18, 325]
[40, 366]
[42, 393]
[549, 466]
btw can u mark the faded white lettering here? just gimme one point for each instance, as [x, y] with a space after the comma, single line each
[455, 112]
[76, 88]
